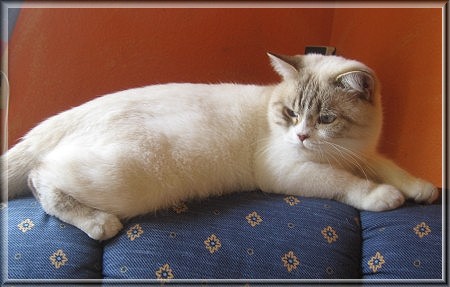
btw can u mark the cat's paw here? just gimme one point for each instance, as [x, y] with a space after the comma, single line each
[422, 191]
[102, 226]
[383, 197]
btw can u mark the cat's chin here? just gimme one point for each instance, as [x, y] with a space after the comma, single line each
[311, 150]
[308, 147]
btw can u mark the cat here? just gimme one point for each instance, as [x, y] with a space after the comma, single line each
[132, 152]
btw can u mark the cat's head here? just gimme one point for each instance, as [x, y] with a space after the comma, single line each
[325, 104]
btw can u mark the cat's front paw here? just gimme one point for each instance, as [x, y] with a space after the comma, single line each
[422, 191]
[383, 197]
[103, 226]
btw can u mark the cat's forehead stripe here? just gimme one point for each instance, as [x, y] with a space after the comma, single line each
[297, 99]
[309, 93]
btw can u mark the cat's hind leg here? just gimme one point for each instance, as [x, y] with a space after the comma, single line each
[95, 223]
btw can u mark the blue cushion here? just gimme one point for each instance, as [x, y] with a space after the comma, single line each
[239, 236]
[41, 246]
[405, 243]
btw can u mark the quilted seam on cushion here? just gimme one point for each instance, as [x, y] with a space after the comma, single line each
[250, 235]
[404, 243]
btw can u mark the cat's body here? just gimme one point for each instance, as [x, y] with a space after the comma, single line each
[139, 150]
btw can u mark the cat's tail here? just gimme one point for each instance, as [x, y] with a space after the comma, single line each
[16, 165]
[18, 161]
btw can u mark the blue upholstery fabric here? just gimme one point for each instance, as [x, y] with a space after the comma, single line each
[404, 243]
[240, 236]
[250, 235]
[41, 246]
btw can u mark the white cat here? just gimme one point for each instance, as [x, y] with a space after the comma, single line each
[139, 150]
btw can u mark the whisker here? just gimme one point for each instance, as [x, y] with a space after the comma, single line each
[336, 154]
[349, 158]
[335, 159]
[362, 157]
[356, 159]
[322, 155]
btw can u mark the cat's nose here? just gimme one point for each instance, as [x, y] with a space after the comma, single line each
[303, 137]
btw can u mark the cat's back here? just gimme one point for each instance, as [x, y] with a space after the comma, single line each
[167, 100]
[177, 95]
[158, 106]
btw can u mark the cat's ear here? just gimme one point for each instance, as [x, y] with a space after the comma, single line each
[285, 66]
[361, 82]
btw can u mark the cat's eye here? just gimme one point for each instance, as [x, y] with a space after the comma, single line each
[326, 119]
[290, 113]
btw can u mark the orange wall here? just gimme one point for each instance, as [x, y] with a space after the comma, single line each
[404, 47]
[59, 58]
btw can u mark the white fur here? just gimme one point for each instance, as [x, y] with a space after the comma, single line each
[143, 149]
